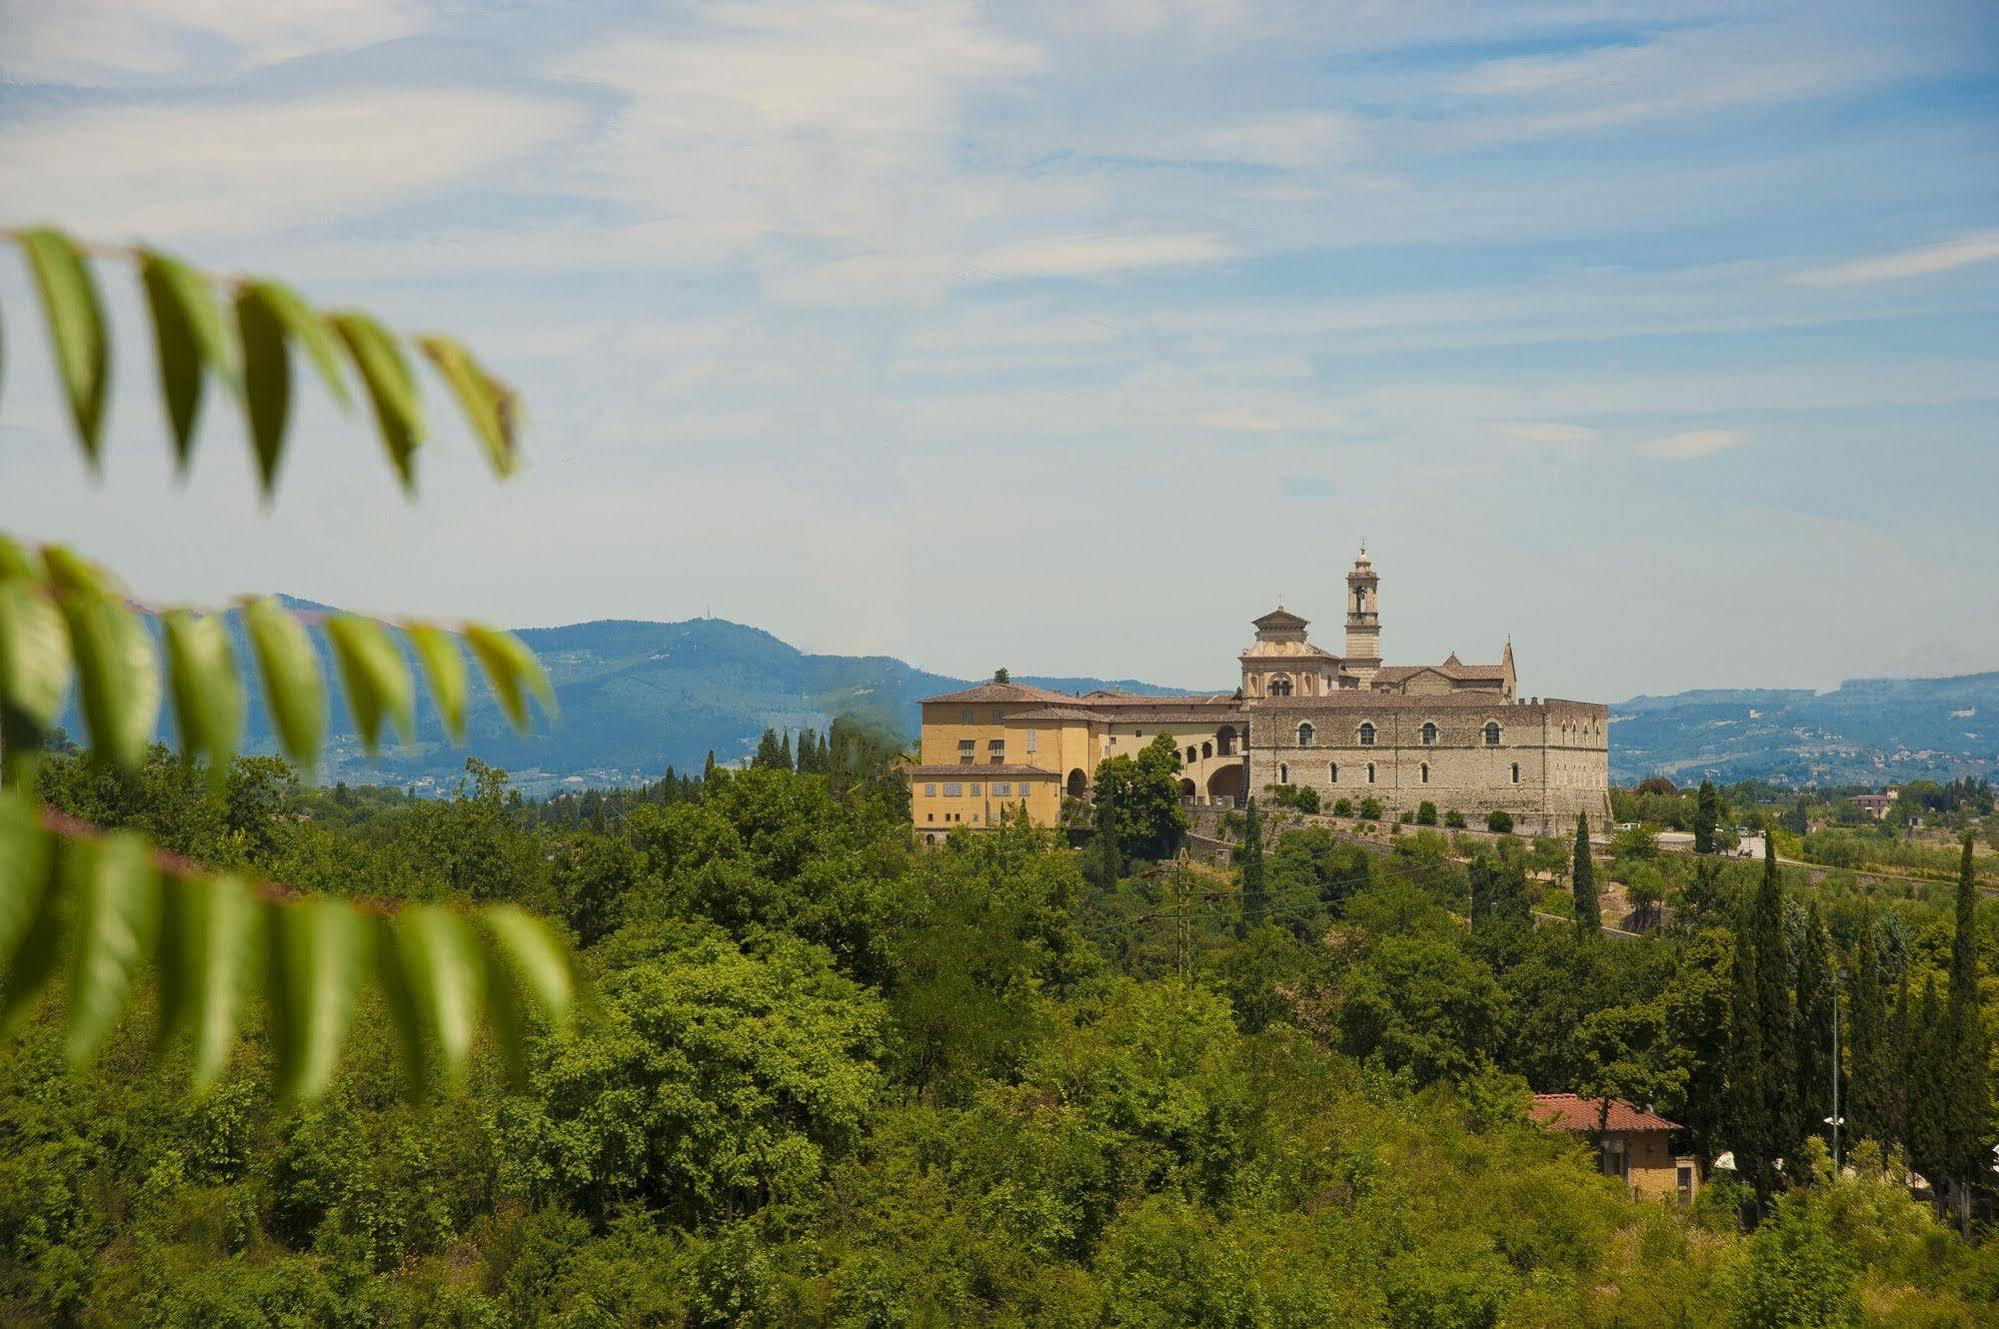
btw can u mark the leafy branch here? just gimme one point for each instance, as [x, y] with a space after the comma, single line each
[88, 910]
[251, 355]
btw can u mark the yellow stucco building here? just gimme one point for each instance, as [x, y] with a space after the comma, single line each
[1452, 734]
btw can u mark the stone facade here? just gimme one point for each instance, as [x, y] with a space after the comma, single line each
[1452, 734]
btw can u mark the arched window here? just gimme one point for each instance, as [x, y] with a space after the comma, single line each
[1423, 773]
[1305, 732]
[1492, 733]
[1283, 773]
[1207, 750]
[1516, 772]
[1370, 772]
[1367, 733]
[1429, 734]
[1191, 758]
[1333, 773]
[1280, 686]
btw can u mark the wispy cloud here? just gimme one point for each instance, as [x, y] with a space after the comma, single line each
[1240, 422]
[1977, 247]
[115, 41]
[1545, 431]
[1087, 255]
[234, 169]
[1694, 444]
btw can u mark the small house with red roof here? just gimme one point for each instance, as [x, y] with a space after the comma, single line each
[1632, 1143]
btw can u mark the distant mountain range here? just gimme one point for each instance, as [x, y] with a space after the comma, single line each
[637, 697]
[1867, 731]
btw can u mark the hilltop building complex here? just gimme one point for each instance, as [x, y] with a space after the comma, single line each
[1451, 734]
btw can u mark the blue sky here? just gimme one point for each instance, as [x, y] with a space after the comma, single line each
[1663, 337]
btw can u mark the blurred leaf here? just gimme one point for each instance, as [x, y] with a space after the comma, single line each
[27, 858]
[376, 676]
[512, 670]
[269, 317]
[399, 993]
[442, 971]
[207, 690]
[35, 912]
[317, 956]
[188, 336]
[117, 674]
[18, 562]
[204, 950]
[391, 388]
[537, 960]
[118, 908]
[522, 960]
[76, 328]
[445, 665]
[34, 653]
[490, 406]
[292, 682]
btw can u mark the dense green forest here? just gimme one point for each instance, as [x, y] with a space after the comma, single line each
[829, 1079]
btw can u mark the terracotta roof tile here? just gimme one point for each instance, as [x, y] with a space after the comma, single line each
[1573, 1112]
[1002, 692]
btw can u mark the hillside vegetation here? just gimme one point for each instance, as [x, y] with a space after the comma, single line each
[832, 1080]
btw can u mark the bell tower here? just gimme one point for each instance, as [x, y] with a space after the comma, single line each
[1363, 620]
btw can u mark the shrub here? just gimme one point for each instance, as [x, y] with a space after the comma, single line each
[1454, 819]
[1426, 813]
[1342, 807]
[1499, 819]
[1370, 808]
[1406, 818]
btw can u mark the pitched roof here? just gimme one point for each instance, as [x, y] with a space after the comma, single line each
[1452, 668]
[1573, 1112]
[1279, 617]
[991, 692]
[1059, 713]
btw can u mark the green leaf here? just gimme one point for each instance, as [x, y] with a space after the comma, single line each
[391, 388]
[18, 563]
[491, 408]
[512, 669]
[317, 957]
[207, 691]
[76, 328]
[441, 977]
[116, 671]
[376, 676]
[204, 950]
[33, 914]
[269, 318]
[188, 337]
[445, 666]
[27, 860]
[292, 683]
[34, 654]
[538, 962]
[118, 907]
[523, 960]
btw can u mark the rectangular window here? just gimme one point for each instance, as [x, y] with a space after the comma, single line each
[1032, 734]
[930, 816]
[954, 791]
[1002, 791]
[995, 744]
[930, 791]
[975, 791]
[967, 744]
[967, 717]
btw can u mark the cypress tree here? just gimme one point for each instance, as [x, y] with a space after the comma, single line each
[1748, 1099]
[708, 767]
[1254, 900]
[1898, 1057]
[1968, 1106]
[1815, 999]
[784, 761]
[1869, 1076]
[1582, 879]
[1929, 1092]
[766, 753]
[1774, 1011]
[1707, 815]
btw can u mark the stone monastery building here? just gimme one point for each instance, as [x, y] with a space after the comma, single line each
[1452, 734]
